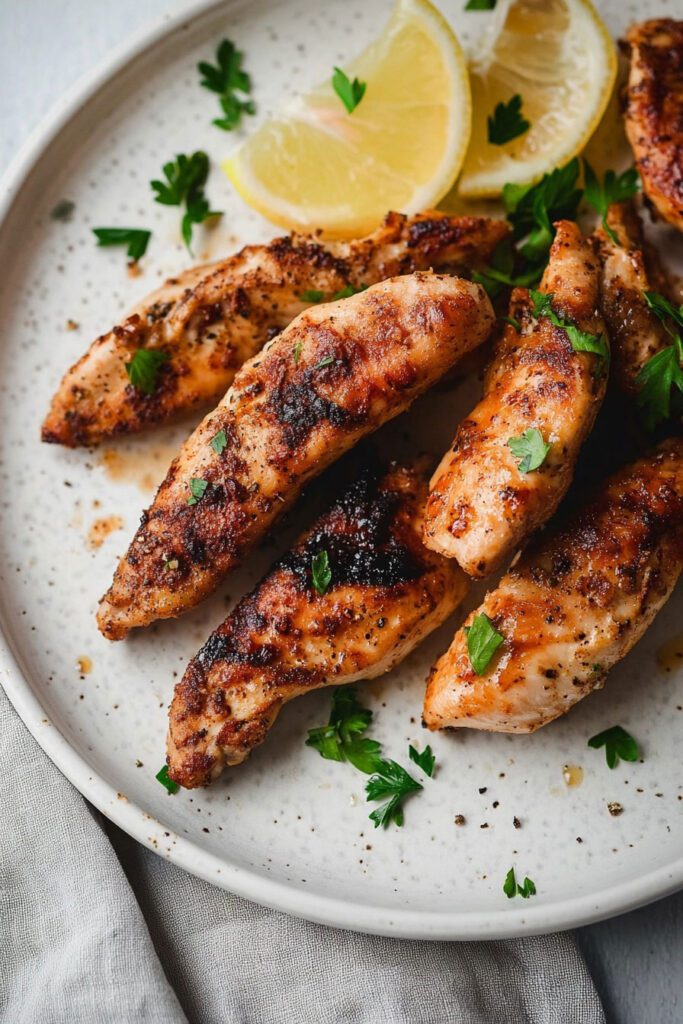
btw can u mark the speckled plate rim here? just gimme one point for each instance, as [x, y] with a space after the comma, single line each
[447, 924]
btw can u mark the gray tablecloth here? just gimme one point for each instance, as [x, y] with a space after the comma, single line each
[96, 929]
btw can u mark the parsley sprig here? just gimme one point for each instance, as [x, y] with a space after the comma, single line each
[321, 572]
[349, 92]
[184, 185]
[662, 375]
[506, 123]
[144, 368]
[613, 189]
[231, 82]
[581, 341]
[343, 739]
[530, 448]
[618, 744]
[532, 209]
[423, 759]
[511, 886]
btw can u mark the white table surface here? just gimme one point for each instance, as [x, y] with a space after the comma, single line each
[637, 959]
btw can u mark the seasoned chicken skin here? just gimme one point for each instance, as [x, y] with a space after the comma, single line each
[338, 372]
[387, 593]
[654, 112]
[628, 269]
[211, 319]
[481, 505]
[573, 605]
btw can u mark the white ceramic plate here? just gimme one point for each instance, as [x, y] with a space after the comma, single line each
[286, 829]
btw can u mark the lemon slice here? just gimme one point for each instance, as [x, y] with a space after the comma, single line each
[318, 166]
[558, 56]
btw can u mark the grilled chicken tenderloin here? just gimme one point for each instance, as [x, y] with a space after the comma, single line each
[338, 372]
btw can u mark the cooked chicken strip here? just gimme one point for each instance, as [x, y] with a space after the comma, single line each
[481, 505]
[387, 593]
[210, 320]
[338, 372]
[654, 112]
[627, 270]
[573, 605]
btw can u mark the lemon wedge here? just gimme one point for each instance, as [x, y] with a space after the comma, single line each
[316, 165]
[558, 56]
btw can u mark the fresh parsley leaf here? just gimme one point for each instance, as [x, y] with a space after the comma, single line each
[510, 884]
[143, 369]
[581, 341]
[661, 375]
[482, 642]
[424, 760]
[347, 292]
[530, 448]
[342, 738]
[506, 122]
[390, 781]
[513, 321]
[63, 210]
[312, 295]
[480, 5]
[185, 180]
[499, 273]
[162, 777]
[325, 361]
[512, 888]
[532, 209]
[135, 238]
[321, 572]
[617, 743]
[665, 311]
[219, 442]
[349, 92]
[297, 352]
[228, 80]
[614, 189]
[197, 490]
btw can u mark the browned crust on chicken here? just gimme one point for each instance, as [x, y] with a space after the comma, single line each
[284, 639]
[481, 506]
[211, 319]
[572, 607]
[654, 112]
[628, 269]
[337, 373]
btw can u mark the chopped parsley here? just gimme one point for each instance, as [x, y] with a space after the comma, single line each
[185, 180]
[512, 888]
[312, 295]
[392, 783]
[424, 760]
[162, 777]
[231, 83]
[348, 291]
[501, 272]
[618, 744]
[530, 449]
[343, 739]
[143, 369]
[506, 123]
[63, 210]
[581, 341]
[325, 361]
[513, 321]
[219, 442]
[480, 5]
[321, 572]
[297, 352]
[349, 92]
[197, 490]
[614, 189]
[135, 238]
[482, 642]
[662, 375]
